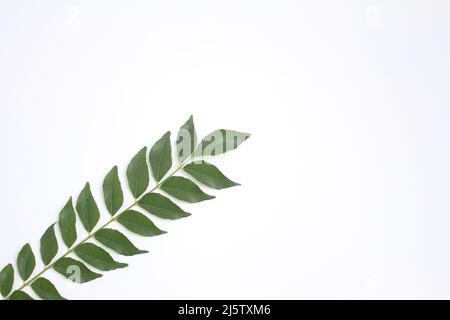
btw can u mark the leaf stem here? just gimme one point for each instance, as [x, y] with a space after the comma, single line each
[92, 234]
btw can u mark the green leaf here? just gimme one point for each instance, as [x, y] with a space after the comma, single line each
[26, 262]
[112, 191]
[20, 295]
[184, 189]
[87, 209]
[75, 270]
[209, 175]
[161, 157]
[97, 257]
[49, 245]
[138, 223]
[137, 173]
[6, 280]
[46, 290]
[67, 224]
[220, 141]
[115, 240]
[186, 140]
[162, 207]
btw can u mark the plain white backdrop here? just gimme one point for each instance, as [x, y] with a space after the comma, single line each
[345, 180]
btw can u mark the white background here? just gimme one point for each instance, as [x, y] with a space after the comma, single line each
[345, 180]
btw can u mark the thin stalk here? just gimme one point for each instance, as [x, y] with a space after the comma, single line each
[92, 234]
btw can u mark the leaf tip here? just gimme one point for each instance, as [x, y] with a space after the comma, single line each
[144, 149]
